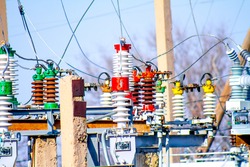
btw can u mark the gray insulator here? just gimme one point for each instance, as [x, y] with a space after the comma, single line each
[232, 55]
[234, 82]
[245, 54]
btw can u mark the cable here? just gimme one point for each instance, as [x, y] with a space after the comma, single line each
[41, 38]
[140, 60]
[205, 35]
[119, 15]
[28, 100]
[197, 32]
[25, 68]
[30, 59]
[198, 59]
[235, 21]
[26, 28]
[209, 11]
[75, 31]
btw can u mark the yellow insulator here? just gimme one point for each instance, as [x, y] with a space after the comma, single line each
[208, 87]
[177, 90]
[106, 87]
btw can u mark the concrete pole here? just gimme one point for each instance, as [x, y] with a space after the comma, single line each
[73, 122]
[164, 43]
[3, 24]
[44, 152]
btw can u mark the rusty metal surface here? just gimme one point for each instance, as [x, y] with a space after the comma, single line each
[78, 87]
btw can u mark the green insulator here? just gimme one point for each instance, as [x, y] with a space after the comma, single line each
[11, 52]
[50, 72]
[5, 88]
[38, 76]
[2, 51]
[51, 106]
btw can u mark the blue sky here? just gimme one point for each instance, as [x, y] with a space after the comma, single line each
[100, 29]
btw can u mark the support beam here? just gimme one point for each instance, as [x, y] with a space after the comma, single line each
[73, 122]
[44, 152]
[3, 24]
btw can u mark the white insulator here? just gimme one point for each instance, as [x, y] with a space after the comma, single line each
[120, 102]
[106, 99]
[3, 63]
[209, 105]
[245, 80]
[4, 114]
[122, 64]
[13, 75]
[178, 107]
[159, 112]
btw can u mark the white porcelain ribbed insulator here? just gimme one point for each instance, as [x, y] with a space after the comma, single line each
[3, 63]
[209, 102]
[159, 112]
[106, 99]
[123, 64]
[120, 102]
[5, 106]
[13, 75]
[178, 107]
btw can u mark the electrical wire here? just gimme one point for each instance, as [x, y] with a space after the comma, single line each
[26, 28]
[25, 68]
[196, 28]
[205, 35]
[7, 64]
[198, 59]
[65, 50]
[30, 59]
[140, 60]
[73, 33]
[237, 16]
[209, 11]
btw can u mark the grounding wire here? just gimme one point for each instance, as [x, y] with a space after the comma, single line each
[73, 33]
[26, 28]
[140, 60]
[205, 35]
[196, 28]
[198, 59]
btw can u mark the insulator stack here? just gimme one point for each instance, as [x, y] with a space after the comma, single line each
[136, 93]
[121, 116]
[209, 105]
[236, 92]
[159, 112]
[106, 99]
[148, 92]
[232, 54]
[4, 114]
[13, 70]
[178, 107]
[50, 90]
[122, 61]
[3, 64]
[37, 92]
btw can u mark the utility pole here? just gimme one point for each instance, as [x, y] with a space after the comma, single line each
[3, 21]
[164, 42]
[73, 122]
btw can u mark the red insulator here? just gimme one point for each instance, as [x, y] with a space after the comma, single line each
[50, 90]
[37, 96]
[136, 93]
[148, 85]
